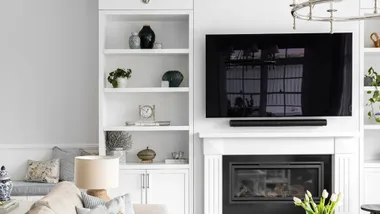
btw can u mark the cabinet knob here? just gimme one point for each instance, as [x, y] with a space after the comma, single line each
[146, 1]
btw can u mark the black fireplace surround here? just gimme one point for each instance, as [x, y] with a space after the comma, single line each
[266, 184]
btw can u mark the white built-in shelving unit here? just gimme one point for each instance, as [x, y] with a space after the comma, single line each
[172, 23]
[370, 146]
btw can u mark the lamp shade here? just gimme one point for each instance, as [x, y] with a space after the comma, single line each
[96, 172]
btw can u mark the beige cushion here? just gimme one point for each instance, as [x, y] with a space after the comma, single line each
[39, 210]
[63, 199]
[150, 209]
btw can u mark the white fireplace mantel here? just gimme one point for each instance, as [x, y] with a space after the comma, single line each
[341, 145]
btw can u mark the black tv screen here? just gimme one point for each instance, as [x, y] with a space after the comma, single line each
[279, 75]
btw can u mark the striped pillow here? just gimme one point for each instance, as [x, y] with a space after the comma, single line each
[91, 202]
[67, 162]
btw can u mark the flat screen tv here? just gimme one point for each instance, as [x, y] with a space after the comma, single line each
[279, 75]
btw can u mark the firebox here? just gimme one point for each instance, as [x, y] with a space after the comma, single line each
[266, 184]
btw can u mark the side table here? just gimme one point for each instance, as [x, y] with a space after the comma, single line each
[372, 208]
[23, 207]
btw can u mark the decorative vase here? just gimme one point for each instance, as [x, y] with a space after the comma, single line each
[121, 153]
[122, 82]
[147, 155]
[6, 185]
[134, 41]
[175, 78]
[147, 37]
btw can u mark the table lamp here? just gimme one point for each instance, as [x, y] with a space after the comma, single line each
[97, 174]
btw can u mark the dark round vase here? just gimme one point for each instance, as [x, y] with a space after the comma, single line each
[147, 37]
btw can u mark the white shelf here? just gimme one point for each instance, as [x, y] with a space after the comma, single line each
[371, 50]
[369, 88]
[147, 90]
[147, 128]
[158, 165]
[372, 127]
[372, 164]
[146, 51]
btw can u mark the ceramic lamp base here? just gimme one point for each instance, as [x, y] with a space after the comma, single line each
[99, 193]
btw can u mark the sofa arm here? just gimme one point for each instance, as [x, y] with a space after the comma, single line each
[150, 209]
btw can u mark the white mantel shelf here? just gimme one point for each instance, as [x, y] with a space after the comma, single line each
[280, 135]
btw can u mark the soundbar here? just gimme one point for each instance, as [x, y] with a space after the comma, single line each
[277, 123]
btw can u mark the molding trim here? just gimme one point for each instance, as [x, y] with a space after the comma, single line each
[47, 146]
[342, 180]
[213, 195]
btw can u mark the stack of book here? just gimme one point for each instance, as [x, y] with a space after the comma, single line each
[176, 161]
[7, 206]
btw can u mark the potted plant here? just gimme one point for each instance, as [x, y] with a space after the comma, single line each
[311, 207]
[374, 79]
[118, 143]
[119, 77]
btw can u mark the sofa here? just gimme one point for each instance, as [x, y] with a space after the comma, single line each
[65, 196]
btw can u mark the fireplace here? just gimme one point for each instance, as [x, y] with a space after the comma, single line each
[266, 184]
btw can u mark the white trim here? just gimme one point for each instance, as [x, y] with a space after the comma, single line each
[47, 146]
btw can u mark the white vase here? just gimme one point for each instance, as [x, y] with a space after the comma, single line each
[122, 82]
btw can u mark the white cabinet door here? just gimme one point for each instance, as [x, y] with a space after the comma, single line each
[145, 4]
[131, 181]
[169, 187]
[371, 185]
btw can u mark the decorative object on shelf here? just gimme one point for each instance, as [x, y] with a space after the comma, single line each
[134, 41]
[331, 18]
[157, 45]
[176, 161]
[147, 155]
[148, 123]
[165, 84]
[311, 207]
[147, 112]
[121, 153]
[146, 1]
[147, 37]
[375, 39]
[119, 77]
[6, 185]
[177, 155]
[374, 76]
[175, 78]
[177, 158]
[118, 143]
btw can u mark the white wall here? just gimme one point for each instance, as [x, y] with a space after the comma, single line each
[48, 75]
[247, 16]
[48, 67]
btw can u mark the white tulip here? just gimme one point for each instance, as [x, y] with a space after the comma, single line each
[334, 197]
[325, 194]
[307, 198]
[297, 201]
[309, 194]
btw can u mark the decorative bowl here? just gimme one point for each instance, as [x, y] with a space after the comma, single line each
[147, 155]
[175, 78]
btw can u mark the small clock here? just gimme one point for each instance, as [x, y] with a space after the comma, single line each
[147, 112]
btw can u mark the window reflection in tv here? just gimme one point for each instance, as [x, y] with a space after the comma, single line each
[279, 75]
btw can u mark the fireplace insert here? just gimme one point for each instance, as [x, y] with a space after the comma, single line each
[267, 184]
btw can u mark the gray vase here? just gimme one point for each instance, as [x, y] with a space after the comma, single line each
[134, 41]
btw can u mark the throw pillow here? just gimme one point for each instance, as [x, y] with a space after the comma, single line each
[114, 206]
[92, 202]
[43, 171]
[66, 163]
[85, 153]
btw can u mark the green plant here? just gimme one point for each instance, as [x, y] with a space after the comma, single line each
[311, 207]
[375, 82]
[119, 73]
